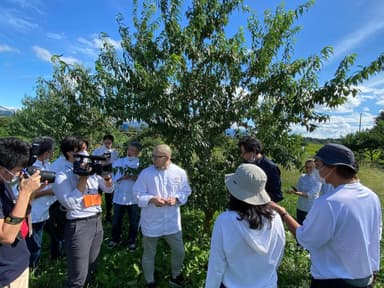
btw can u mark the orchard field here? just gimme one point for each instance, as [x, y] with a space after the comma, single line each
[120, 268]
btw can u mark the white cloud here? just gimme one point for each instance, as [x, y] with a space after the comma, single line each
[7, 48]
[55, 36]
[18, 22]
[45, 55]
[339, 126]
[357, 37]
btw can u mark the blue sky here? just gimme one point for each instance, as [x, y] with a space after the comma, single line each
[31, 31]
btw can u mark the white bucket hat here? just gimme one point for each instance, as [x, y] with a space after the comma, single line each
[248, 184]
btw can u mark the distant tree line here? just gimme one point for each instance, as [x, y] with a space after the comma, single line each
[368, 144]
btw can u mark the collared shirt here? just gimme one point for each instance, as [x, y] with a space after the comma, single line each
[342, 232]
[72, 199]
[60, 164]
[244, 257]
[123, 193]
[40, 205]
[309, 185]
[170, 182]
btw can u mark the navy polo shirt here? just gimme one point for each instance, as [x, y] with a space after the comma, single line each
[14, 258]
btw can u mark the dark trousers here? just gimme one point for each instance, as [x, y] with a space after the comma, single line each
[55, 229]
[108, 206]
[34, 243]
[300, 216]
[117, 221]
[333, 283]
[83, 238]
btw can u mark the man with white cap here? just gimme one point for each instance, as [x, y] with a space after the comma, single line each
[342, 231]
[248, 239]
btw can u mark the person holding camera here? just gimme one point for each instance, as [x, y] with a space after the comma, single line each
[125, 172]
[109, 152]
[41, 152]
[77, 190]
[161, 189]
[14, 226]
[342, 231]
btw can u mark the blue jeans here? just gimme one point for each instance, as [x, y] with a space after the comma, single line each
[117, 221]
[34, 243]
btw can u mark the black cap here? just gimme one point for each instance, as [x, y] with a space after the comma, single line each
[337, 155]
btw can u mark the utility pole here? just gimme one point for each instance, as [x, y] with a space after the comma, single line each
[361, 113]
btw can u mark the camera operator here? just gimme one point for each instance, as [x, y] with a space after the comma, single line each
[41, 152]
[14, 255]
[83, 233]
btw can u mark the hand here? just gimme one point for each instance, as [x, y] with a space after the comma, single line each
[172, 201]
[28, 186]
[279, 209]
[157, 201]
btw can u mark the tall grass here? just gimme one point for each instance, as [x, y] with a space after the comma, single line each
[120, 268]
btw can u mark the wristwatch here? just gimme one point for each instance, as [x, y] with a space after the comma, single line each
[13, 220]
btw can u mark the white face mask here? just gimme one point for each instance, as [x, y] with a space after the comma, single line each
[316, 175]
[15, 179]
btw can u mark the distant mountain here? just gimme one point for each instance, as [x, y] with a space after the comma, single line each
[4, 111]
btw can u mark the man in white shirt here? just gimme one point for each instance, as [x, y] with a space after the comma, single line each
[342, 231]
[106, 150]
[125, 172]
[161, 189]
[42, 148]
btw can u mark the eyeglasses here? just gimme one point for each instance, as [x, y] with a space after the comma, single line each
[158, 156]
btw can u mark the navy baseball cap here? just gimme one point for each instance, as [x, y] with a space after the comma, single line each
[337, 155]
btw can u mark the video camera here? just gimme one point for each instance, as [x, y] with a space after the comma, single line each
[45, 174]
[86, 165]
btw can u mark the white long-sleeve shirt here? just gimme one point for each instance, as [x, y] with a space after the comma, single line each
[123, 193]
[40, 206]
[72, 199]
[342, 232]
[171, 182]
[242, 257]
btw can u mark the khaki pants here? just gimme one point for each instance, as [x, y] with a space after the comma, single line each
[21, 281]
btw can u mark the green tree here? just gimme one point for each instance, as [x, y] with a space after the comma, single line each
[183, 76]
[68, 104]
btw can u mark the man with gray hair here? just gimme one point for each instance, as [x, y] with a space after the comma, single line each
[342, 231]
[161, 189]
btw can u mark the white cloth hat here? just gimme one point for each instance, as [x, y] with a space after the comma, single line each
[248, 184]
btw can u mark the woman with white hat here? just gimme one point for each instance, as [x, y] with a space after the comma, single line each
[248, 239]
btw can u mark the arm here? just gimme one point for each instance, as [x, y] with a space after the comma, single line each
[144, 196]
[8, 232]
[291, 223]
[69, 194]
[217, 262]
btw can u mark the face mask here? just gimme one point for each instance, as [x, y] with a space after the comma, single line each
[85, 153]
[15, 179]
[315, 174]
[319, 178]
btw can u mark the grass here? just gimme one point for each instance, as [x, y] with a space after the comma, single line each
[120, 268]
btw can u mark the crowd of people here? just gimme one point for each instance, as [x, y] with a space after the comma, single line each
[338, 220]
